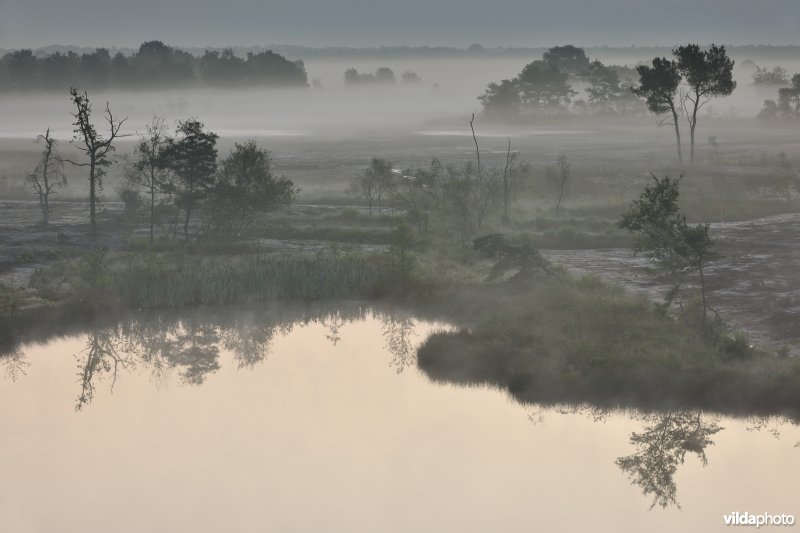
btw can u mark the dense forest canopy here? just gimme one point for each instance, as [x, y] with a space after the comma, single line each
[153, 65]
[545, 86]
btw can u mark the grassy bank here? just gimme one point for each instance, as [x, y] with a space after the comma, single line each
[547, 339]
[70, 292]
[150, 280]
[588, 342]
[544, 340]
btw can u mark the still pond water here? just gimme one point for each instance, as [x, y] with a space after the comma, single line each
[318, 420]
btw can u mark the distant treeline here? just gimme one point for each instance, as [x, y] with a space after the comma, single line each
[741, 52]
[153, 65]
[383, 75]
[754, 52]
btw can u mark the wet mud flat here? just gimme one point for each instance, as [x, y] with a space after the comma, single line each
[25, 244]
[755, 284]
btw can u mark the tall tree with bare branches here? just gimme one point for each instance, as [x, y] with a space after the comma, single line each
[95, 146]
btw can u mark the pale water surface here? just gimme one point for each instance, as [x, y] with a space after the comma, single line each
[234, 420]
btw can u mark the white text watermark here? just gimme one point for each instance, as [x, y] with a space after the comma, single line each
[764, 519]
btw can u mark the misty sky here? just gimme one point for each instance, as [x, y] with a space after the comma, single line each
[33, 23]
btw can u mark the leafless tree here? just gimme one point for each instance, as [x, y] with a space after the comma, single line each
[483, 186]
[48, 176]
[95, 146]
[512, 173]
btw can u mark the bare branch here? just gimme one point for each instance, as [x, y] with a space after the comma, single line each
[477, 150]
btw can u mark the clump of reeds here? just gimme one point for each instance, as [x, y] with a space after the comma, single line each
[250, 279]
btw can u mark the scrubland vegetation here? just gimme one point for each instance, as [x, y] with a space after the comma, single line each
[461, 240]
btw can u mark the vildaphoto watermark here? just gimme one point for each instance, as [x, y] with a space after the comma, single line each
[764, 519]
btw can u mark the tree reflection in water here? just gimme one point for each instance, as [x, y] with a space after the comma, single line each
[101, 357]
[190, 344]
[148, 340]
[334, 323]
[15, 363]
[251, 343]
[772, 425]
[661, 448]
[398, 332]
[194, 349]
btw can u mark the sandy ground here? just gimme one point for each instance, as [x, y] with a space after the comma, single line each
[755, 284]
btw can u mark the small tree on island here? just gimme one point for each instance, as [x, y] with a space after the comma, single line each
[667, 240]
[246, 188]
[192, 158]
[374, 183]
[147, 173]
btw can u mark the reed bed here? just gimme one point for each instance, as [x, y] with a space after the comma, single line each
[250, 279]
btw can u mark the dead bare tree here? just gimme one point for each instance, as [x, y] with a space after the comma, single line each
[509, 159]
[475, 139]
[467, 193]
[96, 147]
[48, 176]
[512, 173]
[481, 191]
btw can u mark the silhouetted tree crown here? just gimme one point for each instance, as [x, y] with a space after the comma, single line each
[567, 58]
[709, 74]
[544, 87]
[658, 84]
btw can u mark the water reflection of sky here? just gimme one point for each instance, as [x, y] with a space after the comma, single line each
[319, 423]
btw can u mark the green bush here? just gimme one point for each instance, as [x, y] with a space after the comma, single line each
[735, 348]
